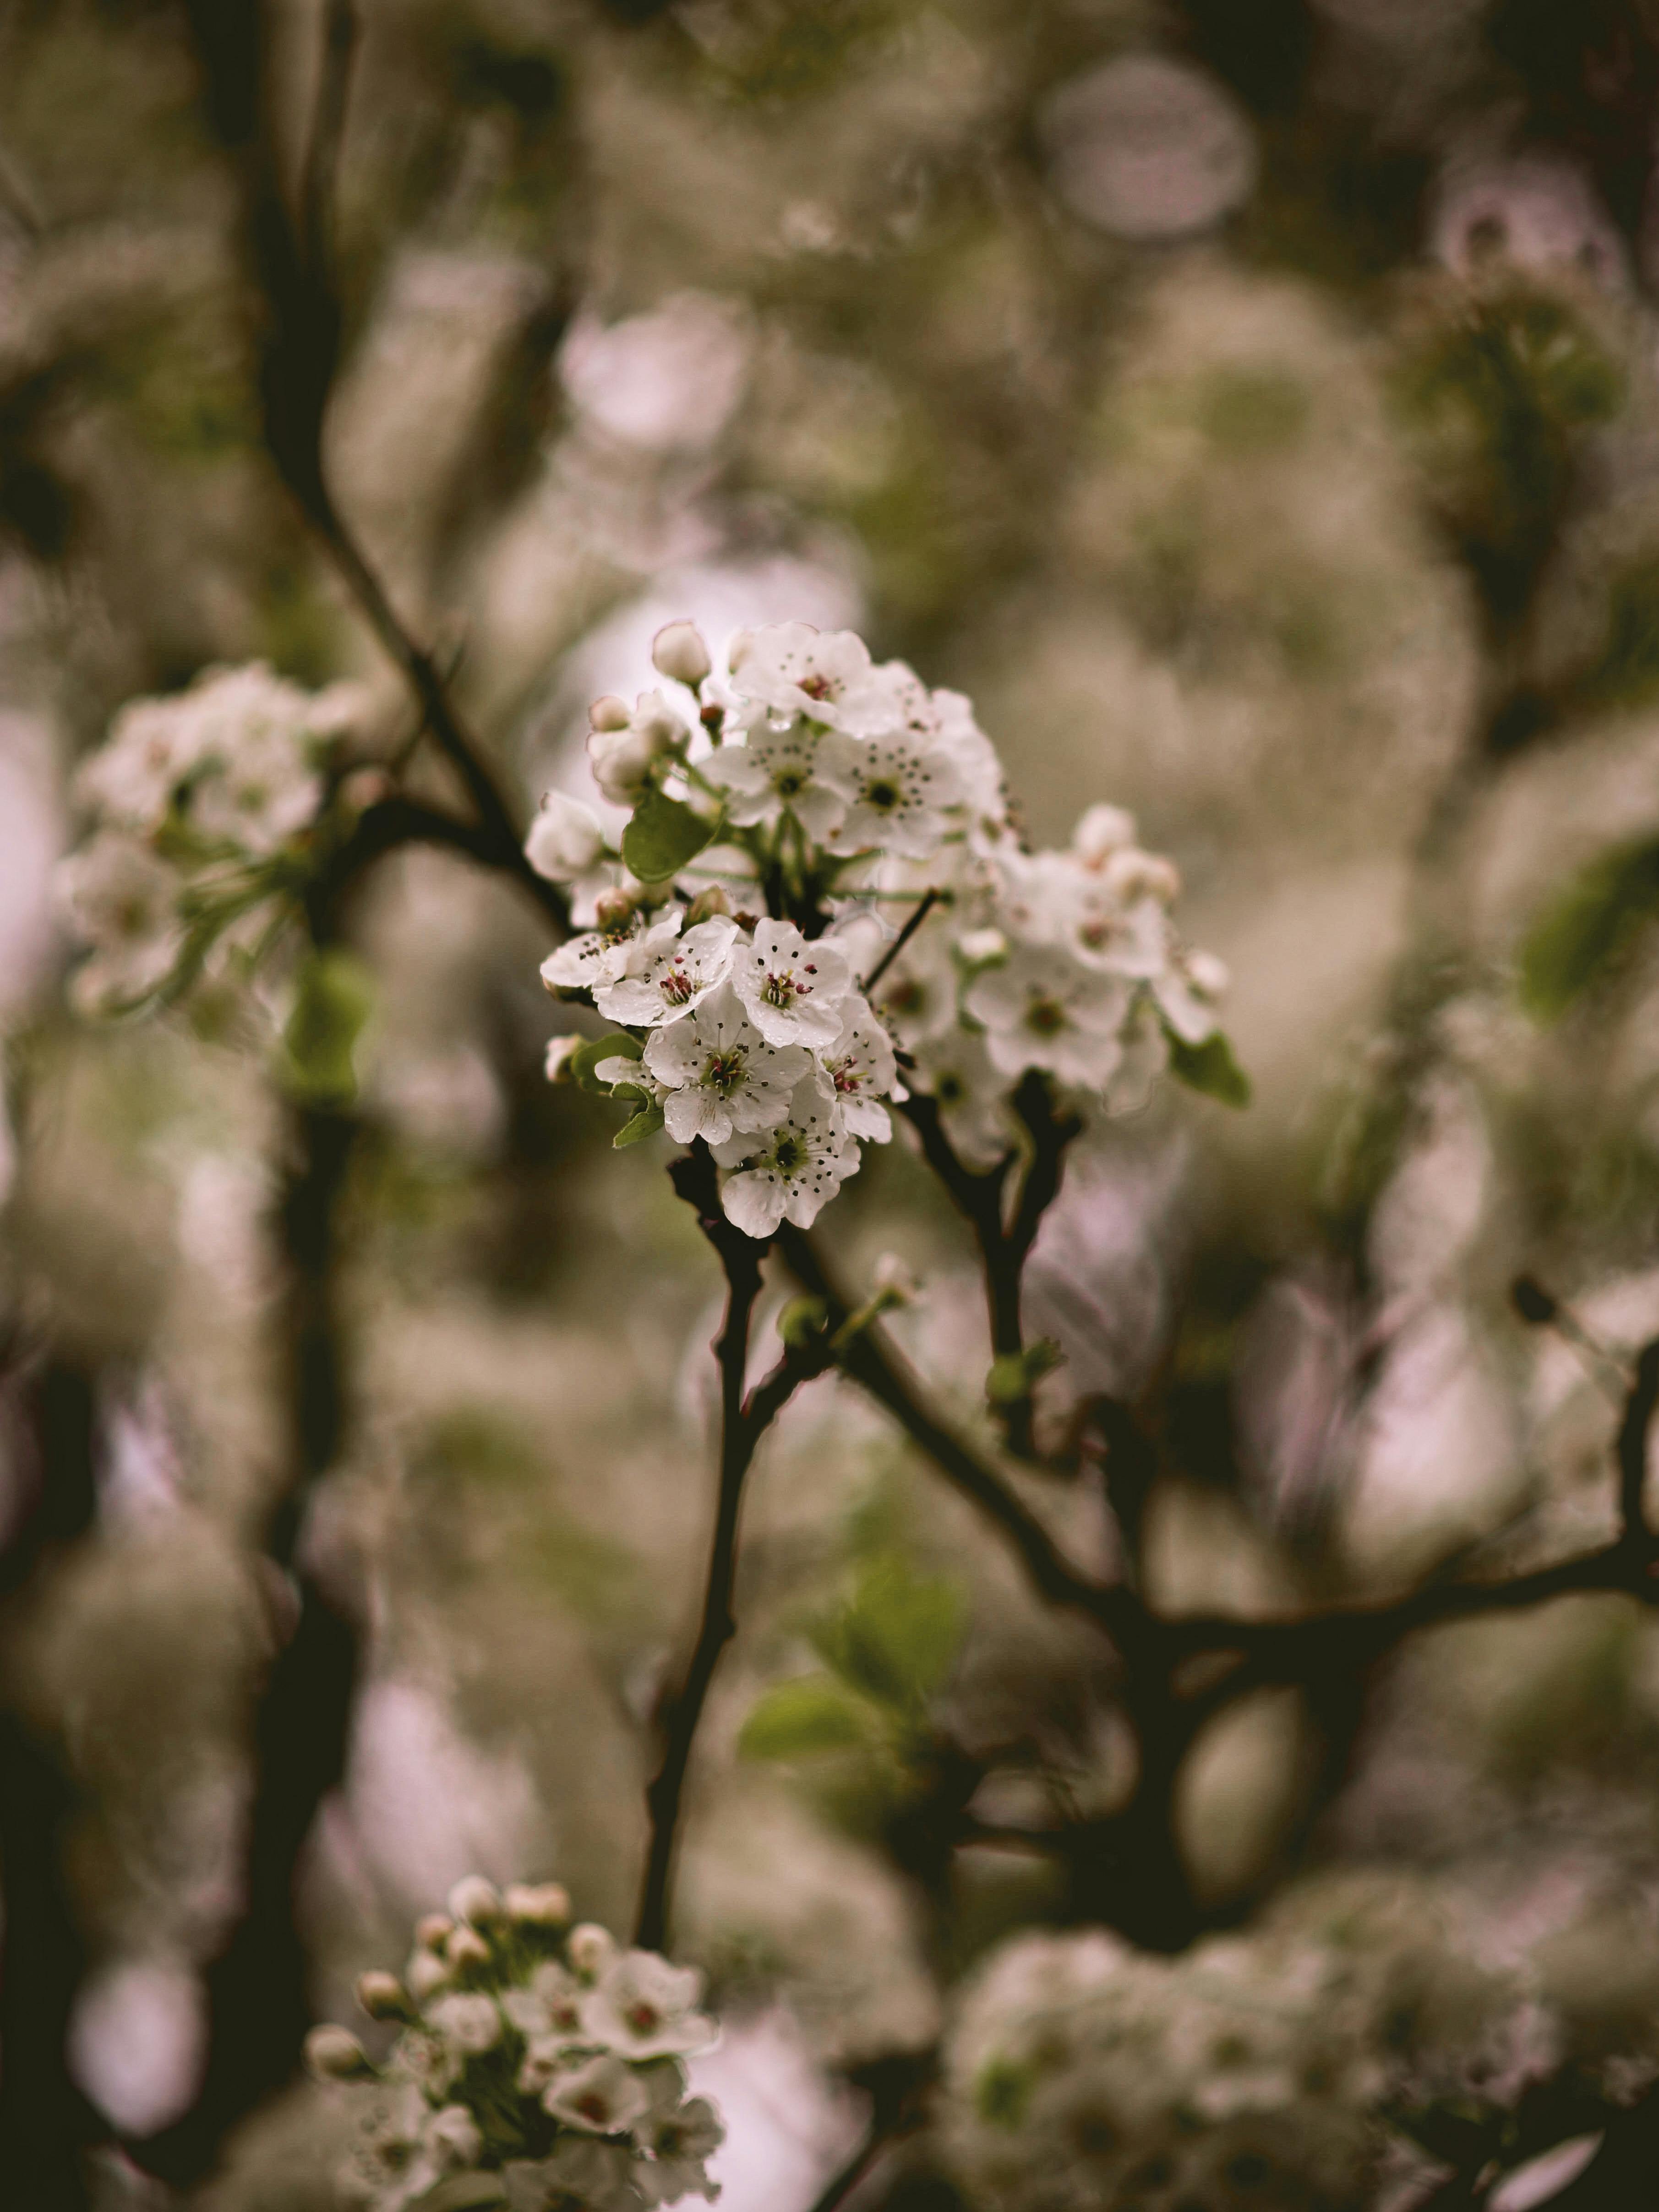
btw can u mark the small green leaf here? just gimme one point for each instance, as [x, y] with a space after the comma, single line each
[801, 1718]
[663, 836]
[897, 1638]
[1583, 933]
[332, 1003]
[589, 1054]
[1014, 1375]
[645, 1123]
[801, 1321]
[1209, 1067]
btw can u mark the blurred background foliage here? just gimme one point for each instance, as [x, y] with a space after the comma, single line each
[1253, 408]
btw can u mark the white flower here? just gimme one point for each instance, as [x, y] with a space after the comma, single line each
[538, 1904]
[622, 758]
[678, 651]
[897, 788]
[132, 777]
[591, 1948]
[1187, 992]
[581, 2170]
[600, 2098]
[680, 2140]
[805, 1164]
[334, 2054]
[795, 669]
[451, 2135]
[861, 1067]
[665, 973]
[646, 2009]
[955, 1071]
[470, 2023]
[723, 1079]
[426, 1974]
[123, 902]
[565, 839]
[1100, 832]
[474, 1899]
[775, 767]
[1042, 1009]
[597, 955]
[262, 790]
[792, 990]
[549, 2005]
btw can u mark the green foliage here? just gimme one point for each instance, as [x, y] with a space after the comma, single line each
[645, 1123]
[896, 1637]
[663, 834]
[1015, 1375]
[616, 1045]
[1003, 2092]
[801, 1321]
[333, 1000]
[806, 1716]
[1209, 1067]
[1587, 931]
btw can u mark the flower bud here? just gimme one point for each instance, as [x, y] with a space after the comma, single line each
[737, 652]
[475, 1900]
[1101, 832]
[1208, 976]
[541, 1905]
[426, 1974]
[894, 1282]
[610, 713]
[706, 904]
[979, 947]
[613, 911]
[621, 759]
[559, 1052]
[383, 1997]
[802, 1321]
[466, 1947]
[1132, 875]
[591, 1949]
[565, 838]
[334, 2054]
[431, 1929]
[678, 651]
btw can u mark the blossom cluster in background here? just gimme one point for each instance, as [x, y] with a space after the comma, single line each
[1261, 2068]
[195, 801]
[535, 2060]
[824, 818]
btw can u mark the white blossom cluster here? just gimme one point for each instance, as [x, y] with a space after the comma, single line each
[536, 2062]
[1082, 2076]
[194, 799]
[780, 837]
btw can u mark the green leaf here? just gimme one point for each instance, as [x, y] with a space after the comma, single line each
[332, 1004]
[1014, 1375]
[897, 1638]
[587, 1055]
[1585, 931]
[1209, 1067]
[663, 836]
[645, 1123]
[801, 1718]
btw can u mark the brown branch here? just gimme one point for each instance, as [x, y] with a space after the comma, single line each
[744, 1421]
[923, 907]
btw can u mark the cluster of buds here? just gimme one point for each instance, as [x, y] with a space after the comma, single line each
[537, 2062]
[780, 840]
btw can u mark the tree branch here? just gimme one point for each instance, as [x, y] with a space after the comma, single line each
[744, 1421]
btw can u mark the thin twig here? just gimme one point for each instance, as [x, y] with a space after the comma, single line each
[924, 906]
[320, 176]
[744, 1421]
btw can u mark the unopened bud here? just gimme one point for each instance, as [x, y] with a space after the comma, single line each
[383, 1997]
[426, 1974]
[801, 1321]
[612, 911]
[894, 1282]
[1208, 976]
[706, 904]
[565, 838]
[1101, 832]
[334, 2054]
[431, 1929]
[610, 713]
[542, 1904]
[560, 1050]
[475, 1900]
[591, 1949]
[466, 1947]
[978, 947]
[1133, 875]
[678, 651]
